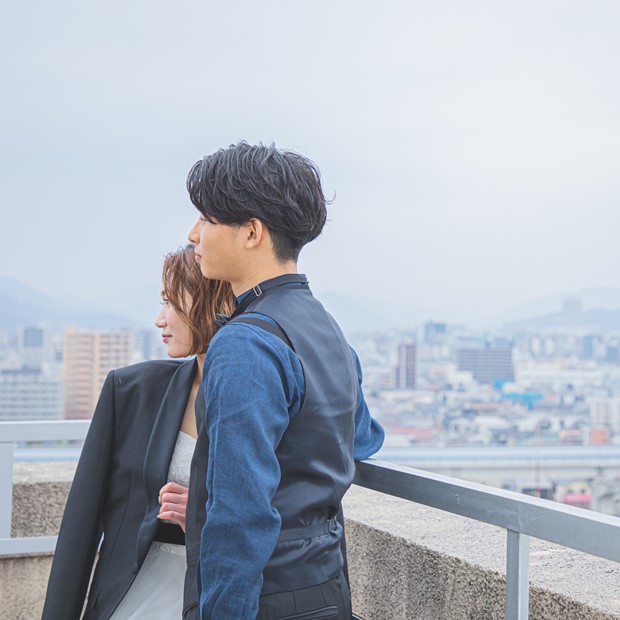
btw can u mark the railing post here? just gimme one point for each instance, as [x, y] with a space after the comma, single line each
[517, 576]
[6, 488]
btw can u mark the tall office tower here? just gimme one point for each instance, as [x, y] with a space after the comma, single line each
[587, 347]
[406, 366]
[488, 365]
[612, 354]
[34, 347]
[434, 333]
[593, 347]
[88, 357]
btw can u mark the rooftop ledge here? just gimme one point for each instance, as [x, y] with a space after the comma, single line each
[411, 561]
[406, 560]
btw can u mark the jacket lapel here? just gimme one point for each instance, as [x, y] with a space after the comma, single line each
[160, 448]
[200, 408]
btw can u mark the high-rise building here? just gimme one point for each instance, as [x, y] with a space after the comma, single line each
[487, 365]
[405, 372]
[34, 346]
[593, 347]
[612, 355]
[434, 333]
[88, 357]
[587, 346]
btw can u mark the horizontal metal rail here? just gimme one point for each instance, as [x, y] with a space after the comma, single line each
[576, 528]
[520, 515]
[27, 545]
[10, 433]
[48, 430]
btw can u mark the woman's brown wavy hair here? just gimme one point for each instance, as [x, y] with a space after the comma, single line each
[182, 280]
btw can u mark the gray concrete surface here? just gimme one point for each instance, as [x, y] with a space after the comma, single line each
[412, 562]
[39, 495]
[23, 582]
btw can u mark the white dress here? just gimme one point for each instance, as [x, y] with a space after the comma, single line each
[157, 591]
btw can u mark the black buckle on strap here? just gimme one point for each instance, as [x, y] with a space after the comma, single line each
[308, 531]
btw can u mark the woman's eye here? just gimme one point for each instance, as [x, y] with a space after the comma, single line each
[163, 302]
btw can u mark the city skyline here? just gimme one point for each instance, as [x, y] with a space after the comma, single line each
[474, 394]
[469, 150]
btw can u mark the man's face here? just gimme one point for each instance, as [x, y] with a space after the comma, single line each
[219, 249]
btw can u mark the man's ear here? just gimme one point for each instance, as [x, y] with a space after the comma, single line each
[255, 233]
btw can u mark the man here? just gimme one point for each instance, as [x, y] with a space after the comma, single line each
[285, 415]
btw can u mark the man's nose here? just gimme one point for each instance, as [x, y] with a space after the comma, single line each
[193, 234]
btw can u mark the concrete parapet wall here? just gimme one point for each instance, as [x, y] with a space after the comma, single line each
[23, 581]
[39, 494]
[406, 561]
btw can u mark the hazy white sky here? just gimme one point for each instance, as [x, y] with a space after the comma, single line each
[474, 148]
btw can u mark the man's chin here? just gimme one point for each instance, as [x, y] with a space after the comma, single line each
[210, 273]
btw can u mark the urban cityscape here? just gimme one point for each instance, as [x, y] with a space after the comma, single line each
[529, 408]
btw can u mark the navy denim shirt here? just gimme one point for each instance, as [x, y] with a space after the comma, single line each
[253, 385]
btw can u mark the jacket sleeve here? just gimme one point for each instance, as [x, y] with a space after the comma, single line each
[80, 530]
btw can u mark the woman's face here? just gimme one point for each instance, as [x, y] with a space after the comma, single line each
[175, 331]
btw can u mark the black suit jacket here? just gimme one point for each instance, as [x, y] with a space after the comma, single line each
[124, 463]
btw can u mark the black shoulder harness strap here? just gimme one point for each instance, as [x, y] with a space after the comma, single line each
[276, 330]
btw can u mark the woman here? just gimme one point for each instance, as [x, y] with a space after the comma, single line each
[131, 481]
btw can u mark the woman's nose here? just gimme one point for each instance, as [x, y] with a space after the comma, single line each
[160, 319]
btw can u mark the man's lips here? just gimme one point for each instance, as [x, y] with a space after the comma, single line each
[166, 337]
[197, 257]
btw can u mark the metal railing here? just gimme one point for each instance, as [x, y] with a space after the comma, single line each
[10, 434]
[520, 515]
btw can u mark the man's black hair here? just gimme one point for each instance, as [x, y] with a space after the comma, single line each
[280, 188]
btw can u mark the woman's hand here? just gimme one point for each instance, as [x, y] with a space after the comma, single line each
[173, 500]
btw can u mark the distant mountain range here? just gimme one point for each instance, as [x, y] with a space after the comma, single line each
[594, 320]
[601, 311]
[22, 305]
[358, 315]
[591, 299]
